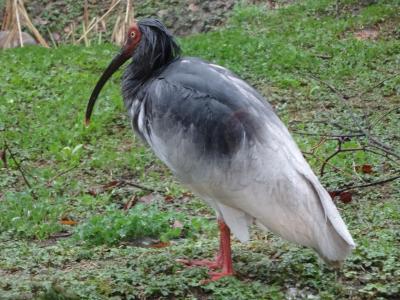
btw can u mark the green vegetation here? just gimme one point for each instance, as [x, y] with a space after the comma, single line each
[68, 237]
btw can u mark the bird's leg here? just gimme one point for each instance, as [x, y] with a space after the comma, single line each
[225, 253]
[211, 264]
[223, 259]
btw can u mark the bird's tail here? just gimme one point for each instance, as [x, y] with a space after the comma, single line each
[334, 242]
[333, 249]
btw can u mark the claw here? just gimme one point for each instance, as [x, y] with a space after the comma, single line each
[212, 265]
[216, 276]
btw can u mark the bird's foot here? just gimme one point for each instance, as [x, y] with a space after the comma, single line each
[211, 264]
[217, 276]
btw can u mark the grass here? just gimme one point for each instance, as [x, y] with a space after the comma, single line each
[112, 253]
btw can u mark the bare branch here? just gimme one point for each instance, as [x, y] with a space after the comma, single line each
[62, 173]
[372, 140]
[338, 150]
[328, 164]
[328, 136]
[20, 169]
[384, 115]
[376, 85]
[139, 186]
[379, 182]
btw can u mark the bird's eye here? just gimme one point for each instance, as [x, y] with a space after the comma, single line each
[132, 34]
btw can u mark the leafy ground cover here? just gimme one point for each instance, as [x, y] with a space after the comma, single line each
[72, 236]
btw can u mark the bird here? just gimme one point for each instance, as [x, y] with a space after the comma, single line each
[222, 140]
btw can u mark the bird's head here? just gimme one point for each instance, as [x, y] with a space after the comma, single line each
[149, 44]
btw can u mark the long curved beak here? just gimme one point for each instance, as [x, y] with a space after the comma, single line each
[117, 62]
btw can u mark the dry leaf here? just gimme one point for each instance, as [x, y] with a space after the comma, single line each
[101, 189]
[187, 194]
[111, 184]
[93, 191]
[367, 169]
[160, 245]
[68, 222]
[333, 194]
[346, 197]
[169, 198]
[131, 202]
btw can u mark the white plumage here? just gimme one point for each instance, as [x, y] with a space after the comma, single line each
[268, 183]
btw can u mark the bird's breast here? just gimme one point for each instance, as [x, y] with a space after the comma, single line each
[137, 115]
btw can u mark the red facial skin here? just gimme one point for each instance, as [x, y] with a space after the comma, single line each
[132, 40]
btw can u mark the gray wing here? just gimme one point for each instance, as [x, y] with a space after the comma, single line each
[197, 112]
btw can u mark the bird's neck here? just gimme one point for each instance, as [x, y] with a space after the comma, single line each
[138, 75]
[132, 80]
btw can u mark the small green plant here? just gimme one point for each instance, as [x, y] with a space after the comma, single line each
[115, 225]
[25, 217]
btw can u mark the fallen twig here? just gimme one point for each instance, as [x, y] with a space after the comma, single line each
[376, 85]
[61, 235]
[314, 148]
[338, 150]
[119, 183]
[62, 173]
[330, 86]
[384, 115]
[328, 136]
[20, 169]
[328, 163]
[341, 150]
[367, 184]
[139, 186]
[370, 138]
[323, 56]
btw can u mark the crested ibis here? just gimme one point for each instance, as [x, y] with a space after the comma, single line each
[223, 140]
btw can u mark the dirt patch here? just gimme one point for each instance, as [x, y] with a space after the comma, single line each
[370, 33]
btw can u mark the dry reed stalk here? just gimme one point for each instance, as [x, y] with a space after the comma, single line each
[51, 38]
[85, 39]
[73, 33]
[21, 41]
[99, 20]
[7, 17]
[116, 29]
[8, 24]
[21, 8]
[122, 24]
[85, 22]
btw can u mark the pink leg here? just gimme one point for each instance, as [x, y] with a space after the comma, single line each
[225, 253]
[223, 259]
[211, 264]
